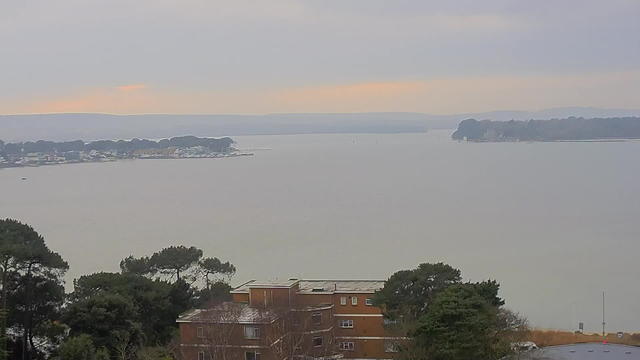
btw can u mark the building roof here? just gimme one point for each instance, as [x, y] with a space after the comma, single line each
[584, 352]
[316, 286]
[340, 286]
[229, 313]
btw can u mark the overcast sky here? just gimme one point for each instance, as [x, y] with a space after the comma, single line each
[252, 57]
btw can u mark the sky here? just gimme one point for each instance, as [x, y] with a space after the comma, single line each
[280, 56]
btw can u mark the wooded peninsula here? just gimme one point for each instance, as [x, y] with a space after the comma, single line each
[52, 153]
[568, 129]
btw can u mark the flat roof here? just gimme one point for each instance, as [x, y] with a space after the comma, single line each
[595, 351]
[316, 286]
[340, 286]
[229, 313]
[244, 288]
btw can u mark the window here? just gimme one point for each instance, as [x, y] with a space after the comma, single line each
[251, 332]
[347, 346]
[317, 318]
[343, 300]
[354, 300]
[346, 324]
[391, 347]
[369, 301]
[200, 331]
[295, 320]
[252, 355]
[317, 341]
[200, 355]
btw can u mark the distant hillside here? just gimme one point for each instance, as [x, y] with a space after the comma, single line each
[571, 128]
[42, 146]
[66, 127]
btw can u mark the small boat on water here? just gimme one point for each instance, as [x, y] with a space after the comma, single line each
[24, 178]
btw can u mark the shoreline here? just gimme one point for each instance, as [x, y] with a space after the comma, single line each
[13, 166]
[613, 140]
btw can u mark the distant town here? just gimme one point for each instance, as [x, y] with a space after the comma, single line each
[71, 152]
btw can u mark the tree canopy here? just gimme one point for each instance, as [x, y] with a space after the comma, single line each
[409, 292]
[115, 315]
[42, 146]
[211, 269]
[571, 128]
[457, 326]
[81, 348]
[175, 260]
[445, 318]
[108, 315]
[137, 266]
[31, 277]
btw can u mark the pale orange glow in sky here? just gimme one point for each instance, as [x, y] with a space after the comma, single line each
[438, 96]
[253, 57]
[131, 87]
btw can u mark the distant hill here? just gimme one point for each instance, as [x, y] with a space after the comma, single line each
[65, 127]
[571, 128]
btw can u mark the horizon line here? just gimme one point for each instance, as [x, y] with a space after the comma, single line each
[321, 113]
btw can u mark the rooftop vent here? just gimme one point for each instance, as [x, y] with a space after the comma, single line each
[317, 289]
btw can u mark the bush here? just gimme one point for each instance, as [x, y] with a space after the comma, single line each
[78, 348]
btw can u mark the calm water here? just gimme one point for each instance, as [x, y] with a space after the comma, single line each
[555, 223]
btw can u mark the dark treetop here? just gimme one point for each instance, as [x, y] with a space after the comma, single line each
[42, 146]
[571, 128]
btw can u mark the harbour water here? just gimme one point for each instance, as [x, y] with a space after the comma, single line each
[554, 223]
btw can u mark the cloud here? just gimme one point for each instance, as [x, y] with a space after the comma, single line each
[435, 96]
[131, 87]
[346, 93]
[479, 22]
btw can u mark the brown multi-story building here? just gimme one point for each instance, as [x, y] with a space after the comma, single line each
[277, 320]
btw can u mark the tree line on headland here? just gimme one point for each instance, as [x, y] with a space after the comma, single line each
[571, 128]
[131, 314]
[107, 315]
[42, 146]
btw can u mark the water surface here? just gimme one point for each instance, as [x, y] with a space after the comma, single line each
[555, 223]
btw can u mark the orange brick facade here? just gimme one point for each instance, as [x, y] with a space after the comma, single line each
[319, 319]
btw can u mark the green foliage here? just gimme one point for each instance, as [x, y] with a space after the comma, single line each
[29, 271]
[408, 293]
[446, 319]
[211, 267]
[218, 145]
[175, 260]
[47, 297]
[157, 303]
[22, 248]
[137, 266]
[116, 313]
[101, 315]
[489, 291]
[102, 354]
[571, 128]
[181, 296]
[457, 326]
[216, 293]
[78, 348]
